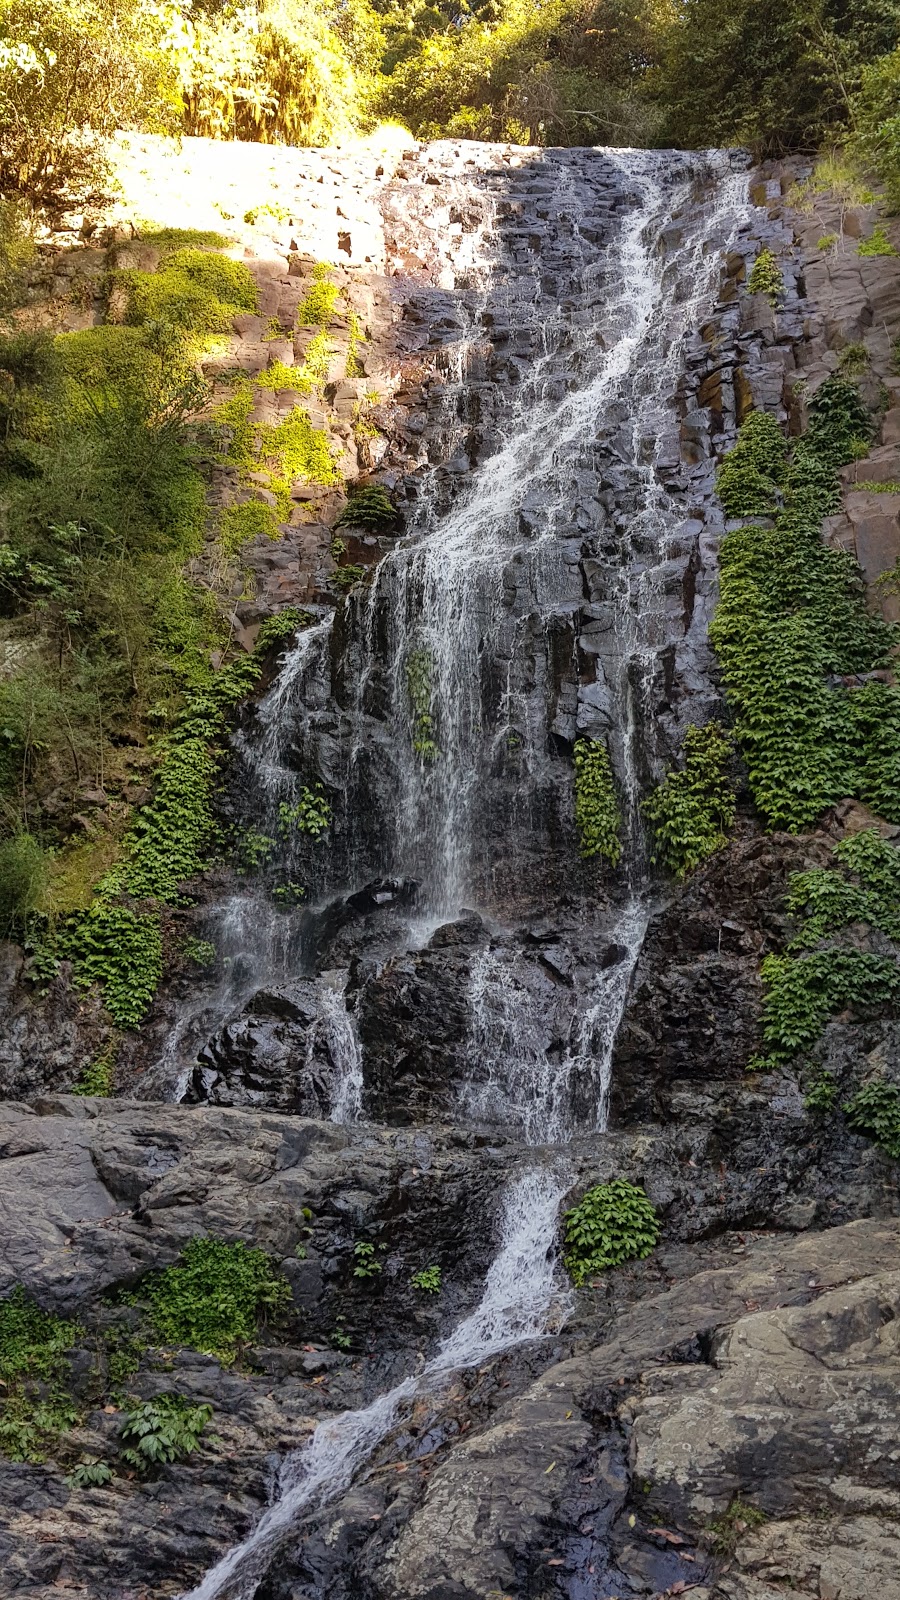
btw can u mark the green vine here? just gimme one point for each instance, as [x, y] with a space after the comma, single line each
[748, 480]
[35, 1407]
[812, 981]
[597, 815]
[614, 1223]
[792, 624]
[693, 809]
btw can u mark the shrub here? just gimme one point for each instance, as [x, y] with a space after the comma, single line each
[791, 620]
[748, 479]
[119, 949]
[195, 291]
[803, 992]
[213, 1299]
[692, 810]
[614, 1223]
[162, 1430]
[368, 508]
[597, 815]
[71, 72]
[90, 1475]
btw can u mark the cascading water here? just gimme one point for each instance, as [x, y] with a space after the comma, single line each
[520, 1296]
[441, 677]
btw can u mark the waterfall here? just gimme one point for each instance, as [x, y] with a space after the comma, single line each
[520, 1295]
[440, 675]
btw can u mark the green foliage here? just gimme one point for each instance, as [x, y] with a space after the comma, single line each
[877, 122]
[353, 368]
[614, 1223]
[365, 1264]
[418, 685]
[748, 480]
[246, 520]
[875, 1111]
[791, 623]
[427, 1279]
[316, 309]
[119, 949]
[597, 815]
[775, 76]
[201, 951]
[766, 277]
[196, 291]
[23, 876]
[822, 1095]
[345, 578]
[371, 507]
[877, 244]
[162, 1430]
[311, 814]
[827, 242]
[802, 992]
[97, 1077]
[34, 1365]
[169, 239]
[693, 808]
[214, 1298]
[90, 1475]
[280, 453]
[71, 73]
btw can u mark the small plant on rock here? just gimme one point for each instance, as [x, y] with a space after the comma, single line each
[822, 1095]
[428, 1279]
[162, 1430]
[614, 1223]
[766, 277]
[368, 508]
[34, 1366]
[877, 244]
[90, 1475]
[727, 1530]
[365, 1264]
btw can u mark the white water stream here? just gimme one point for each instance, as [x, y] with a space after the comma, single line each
[521, 1295]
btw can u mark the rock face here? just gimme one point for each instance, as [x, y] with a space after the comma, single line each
[565, 346]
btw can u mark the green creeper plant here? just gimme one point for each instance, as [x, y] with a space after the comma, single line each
[90, 1475]
[877, 244]
[597, 815]
[310, 813]
[612, 1224]
[215, 1296]
[875, 1111]
[693, 809]
[370, 507]
[365, 1264]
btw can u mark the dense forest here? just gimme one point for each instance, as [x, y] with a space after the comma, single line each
[690, 73]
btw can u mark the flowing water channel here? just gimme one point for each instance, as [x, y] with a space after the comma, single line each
[443, 617]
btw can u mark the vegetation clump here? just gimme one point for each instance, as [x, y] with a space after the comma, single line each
[875, 1111]
[159, 1431]
[614, 1223]
[34, 1365]
[766, 277]
[819, 974]
[197, 291]
[877, 244]
[792, 624]
[692, 810]
[597, 815]
[418, 683]
[427, 1280]
[749, 478]
[214, 1298]
[370, 507]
